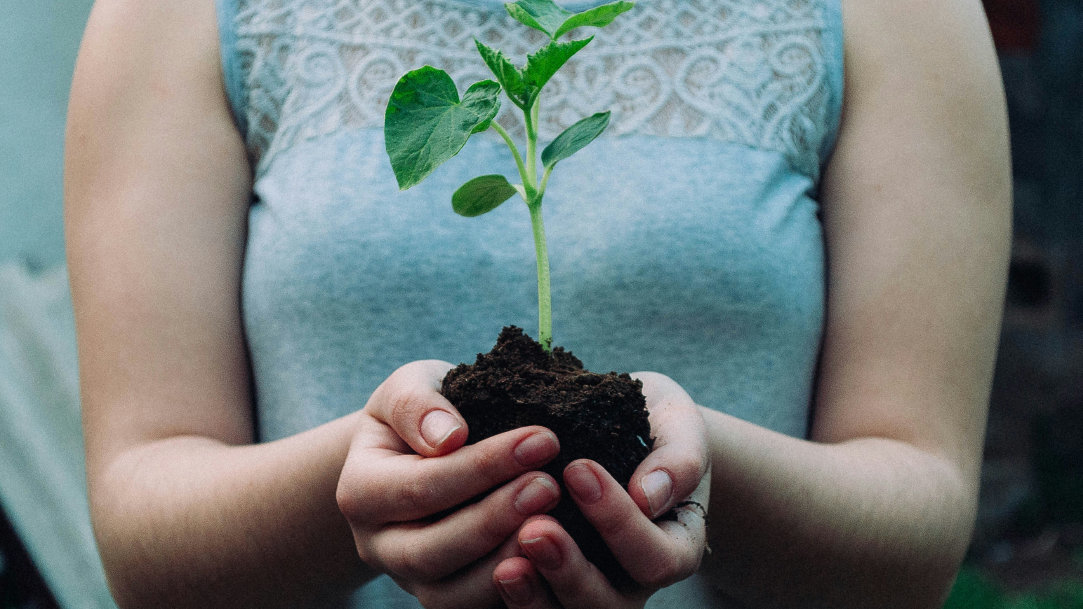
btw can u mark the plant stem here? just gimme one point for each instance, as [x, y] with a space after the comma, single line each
[541, 250]
[531, 146]
[514, 150]
[532, 195]
[545, 304]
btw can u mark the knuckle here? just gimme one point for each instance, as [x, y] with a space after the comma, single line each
[348, 497]
[496, 528]
[414, 494]
[621, 522]
[406, 403]
[669, 569]
[347, 504]
[663, 572]
[490, 466]
[688, 468]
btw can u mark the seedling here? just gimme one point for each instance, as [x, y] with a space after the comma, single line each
[427, 123]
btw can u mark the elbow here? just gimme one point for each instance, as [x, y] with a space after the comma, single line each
[127, 558]
[928, 558]
[139, 545]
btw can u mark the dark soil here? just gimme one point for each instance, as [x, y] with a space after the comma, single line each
[602, 417]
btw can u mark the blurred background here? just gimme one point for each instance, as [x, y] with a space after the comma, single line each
[1028, 547]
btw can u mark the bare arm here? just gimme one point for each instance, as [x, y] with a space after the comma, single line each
[186, 512]
[877, 510]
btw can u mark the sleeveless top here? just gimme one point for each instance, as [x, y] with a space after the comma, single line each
[686, 239]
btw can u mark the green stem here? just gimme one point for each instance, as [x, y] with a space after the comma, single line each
[514, 150]
[545, 304]
[544, 181]
[541, 251]
[530, 117]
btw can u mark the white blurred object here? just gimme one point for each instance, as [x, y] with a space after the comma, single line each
[42, 476]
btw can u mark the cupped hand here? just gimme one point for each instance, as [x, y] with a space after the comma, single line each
[552, 572]
[409, 489]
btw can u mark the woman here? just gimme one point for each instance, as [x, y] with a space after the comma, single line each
[818, 261]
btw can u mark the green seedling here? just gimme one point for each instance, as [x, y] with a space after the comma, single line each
[428, 123]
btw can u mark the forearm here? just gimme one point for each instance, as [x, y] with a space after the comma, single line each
[192, 522]
[865, 523]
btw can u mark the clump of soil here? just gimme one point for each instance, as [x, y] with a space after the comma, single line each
[602, 417]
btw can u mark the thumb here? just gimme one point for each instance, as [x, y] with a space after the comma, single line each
[409, 401]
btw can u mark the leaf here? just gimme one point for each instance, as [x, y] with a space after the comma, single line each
[480, 195]
[541, 66]
[426, 123]
[596, 17]
[574, 139]
[542, 15]
[509, 76]
[547, 16]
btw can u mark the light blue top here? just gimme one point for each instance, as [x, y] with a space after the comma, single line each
[685, 240]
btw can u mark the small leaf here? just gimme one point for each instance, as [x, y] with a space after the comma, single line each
[547, 16]
[574, 138]
[542, 15]
[480, 195]
[426, 123]
[541, 66]
[509, 76]
[596, 17]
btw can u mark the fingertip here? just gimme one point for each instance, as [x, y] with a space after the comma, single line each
[442, 431]
[538, 525]
[512, 567]
[582, 481]
[662, 480]
[657, 489]
[410, 402]
[516, 580]
[538, 447]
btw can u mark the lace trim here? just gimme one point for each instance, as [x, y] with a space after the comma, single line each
[744, 71]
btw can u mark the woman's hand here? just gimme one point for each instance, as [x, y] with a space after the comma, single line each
[554, 572]
[408, 482]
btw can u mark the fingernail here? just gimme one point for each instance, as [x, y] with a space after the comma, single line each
[543, 552]
[537, 448]
[437, 427]
[538, 494]
[516, 591]
[658, 487]
[583, 483]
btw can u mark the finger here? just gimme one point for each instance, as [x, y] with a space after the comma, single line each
[381, 486]
[571, 579]
[654, 554]
[409, 401]
[423, 551]
[520, 585]
[678, 461]
[472, 587]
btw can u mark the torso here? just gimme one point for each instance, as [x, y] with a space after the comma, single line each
[685, 240]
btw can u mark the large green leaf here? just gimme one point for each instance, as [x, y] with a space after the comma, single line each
[596, 17]
[541, 66]
[574, 138]
[547, 16]
[542, 15]
[480, 195]
[426, 123]
[509, 76]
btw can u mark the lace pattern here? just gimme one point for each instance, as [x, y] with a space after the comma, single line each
[753, 72]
